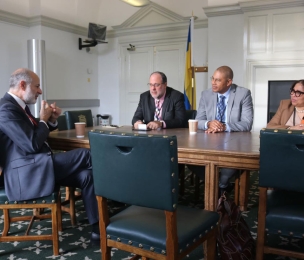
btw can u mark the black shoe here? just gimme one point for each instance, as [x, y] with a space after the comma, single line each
[95, 239]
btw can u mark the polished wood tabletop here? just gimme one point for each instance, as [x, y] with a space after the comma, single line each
[238, 150]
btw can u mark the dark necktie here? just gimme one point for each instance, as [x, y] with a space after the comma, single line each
[30, 116]
[157, 111]
[220, 116]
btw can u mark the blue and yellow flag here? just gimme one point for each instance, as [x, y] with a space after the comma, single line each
[189, 85]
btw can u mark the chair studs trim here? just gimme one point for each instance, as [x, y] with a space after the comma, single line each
[279, 231]
[108, 236]
[276, 130]
[194, 240]
[206, 231]
[136, 134]
[140, 245]
[53, 201]
[266, 229]
[172, 174]
[118, 239]
[171, 143]
[173, 191]
[43, 201]
[172, 159]
[165, 136]
[163, 252]
[200, 236]
[6, 203]
[291, 233]
[187, 245]
[111, 133]
[24, 202]
[289, 132]
[123, 133]
[211, 227]
[302, 133]
[15, 202]
[92, 130]
[130, 242]
[152, 249]
[174, 206]
[150, 135]
[34, 201]
[101, 132]
[263, 129]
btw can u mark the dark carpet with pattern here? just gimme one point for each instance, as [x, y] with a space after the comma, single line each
[75, 241]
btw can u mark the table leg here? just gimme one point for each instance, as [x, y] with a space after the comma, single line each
[211, 192]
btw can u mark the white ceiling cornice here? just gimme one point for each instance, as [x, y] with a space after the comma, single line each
[156, 28]
[270, 4]
[222, 10]
[251, 6]
[144, 11]
[14, 18]
[56, 24]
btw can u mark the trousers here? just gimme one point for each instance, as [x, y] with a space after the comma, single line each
[225, 174]
[74, 169]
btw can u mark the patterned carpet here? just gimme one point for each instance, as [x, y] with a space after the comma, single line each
[75, 241]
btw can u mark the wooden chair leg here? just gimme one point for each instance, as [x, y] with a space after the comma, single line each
[244, 189]
[70, 194]
[211, 249]
[6, 222]
[261, 224]
[55, 230]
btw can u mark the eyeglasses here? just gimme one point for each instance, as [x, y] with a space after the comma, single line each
[297, 93]
[215, 80]
[156, 85]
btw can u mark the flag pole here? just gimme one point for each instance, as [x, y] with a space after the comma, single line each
[192, 65]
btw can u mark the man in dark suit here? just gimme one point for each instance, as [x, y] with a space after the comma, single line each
[235, 114]
[161, 106]
[30, 168]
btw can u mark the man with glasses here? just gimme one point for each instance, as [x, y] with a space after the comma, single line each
[225, 107]
[160, 106]
[291, 111]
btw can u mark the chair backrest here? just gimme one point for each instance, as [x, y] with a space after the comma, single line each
[136, 169]
[281, 159]
[191, 114]
[78, 116]
[62, 124]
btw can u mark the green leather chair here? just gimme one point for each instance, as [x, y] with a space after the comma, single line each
[281, 190]
[142, 171]
[78, 116]
[62, 124]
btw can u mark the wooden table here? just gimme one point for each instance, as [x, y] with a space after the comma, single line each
[239, 150]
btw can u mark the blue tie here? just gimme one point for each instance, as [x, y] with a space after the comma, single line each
[220, 116]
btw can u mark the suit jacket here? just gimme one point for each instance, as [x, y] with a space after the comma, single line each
[239, 108]
[282, 115]
[25, 157]
[173, 109]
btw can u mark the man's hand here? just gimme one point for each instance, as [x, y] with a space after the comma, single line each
[45, 111]
[56, 112]
[215, 126]
[154, 125]
[137, 123]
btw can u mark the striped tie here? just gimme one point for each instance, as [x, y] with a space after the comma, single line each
[30, 116]
[157, 111]
[220, 116]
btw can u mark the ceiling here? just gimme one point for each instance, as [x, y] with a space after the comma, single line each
[106, 12]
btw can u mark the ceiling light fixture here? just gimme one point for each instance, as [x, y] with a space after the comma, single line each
[137, 3]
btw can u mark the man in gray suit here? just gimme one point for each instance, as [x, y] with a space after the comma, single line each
[225, 107]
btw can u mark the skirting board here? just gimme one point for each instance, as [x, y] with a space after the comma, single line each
[63, 103]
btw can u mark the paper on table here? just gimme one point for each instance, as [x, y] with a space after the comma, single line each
[142, 127]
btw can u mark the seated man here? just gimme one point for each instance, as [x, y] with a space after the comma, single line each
[30, 168]
[161, 106]
[225, 107]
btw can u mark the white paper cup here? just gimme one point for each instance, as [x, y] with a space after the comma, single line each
[193, 126]
[80, 129]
